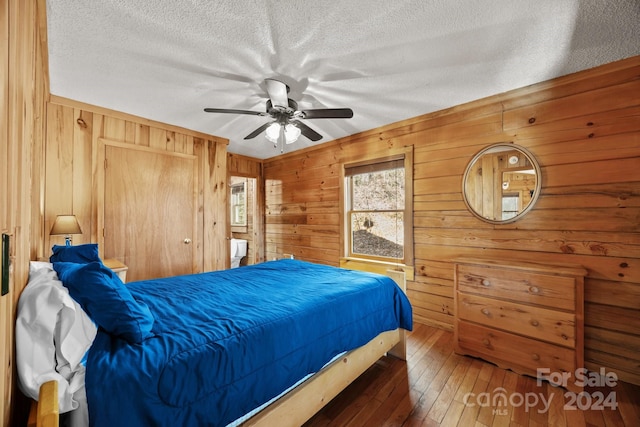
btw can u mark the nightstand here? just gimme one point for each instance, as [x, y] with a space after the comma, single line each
[119, 268]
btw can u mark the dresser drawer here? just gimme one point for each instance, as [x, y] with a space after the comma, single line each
[523, 355]
[518, 285]
[554, 326]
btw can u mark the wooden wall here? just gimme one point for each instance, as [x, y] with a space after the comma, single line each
[23, 87]
[584, 129]
[73, 133]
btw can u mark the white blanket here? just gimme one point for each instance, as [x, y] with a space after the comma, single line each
[53, 334]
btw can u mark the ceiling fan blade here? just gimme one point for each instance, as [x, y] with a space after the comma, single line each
[328, 113]
[231, 111]
[258, 131]
[306, 130]
[277, 93]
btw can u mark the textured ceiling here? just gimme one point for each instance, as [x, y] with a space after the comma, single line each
[166, 60]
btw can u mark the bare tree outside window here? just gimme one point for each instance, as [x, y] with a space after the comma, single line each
[376, 212]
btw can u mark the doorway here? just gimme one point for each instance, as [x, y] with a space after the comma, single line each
[242, 213]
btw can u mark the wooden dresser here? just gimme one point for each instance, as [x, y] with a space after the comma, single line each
[521, 316]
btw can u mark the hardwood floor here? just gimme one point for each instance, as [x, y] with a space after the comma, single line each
[437, 387]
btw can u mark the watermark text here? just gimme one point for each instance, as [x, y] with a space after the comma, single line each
[499, 400]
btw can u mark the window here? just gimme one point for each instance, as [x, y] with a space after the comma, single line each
[510, 206]
[239, 203]
[378, 207]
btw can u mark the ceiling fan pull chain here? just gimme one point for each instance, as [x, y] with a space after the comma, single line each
[282, 139]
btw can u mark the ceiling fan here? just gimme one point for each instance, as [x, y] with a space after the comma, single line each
[286, 125]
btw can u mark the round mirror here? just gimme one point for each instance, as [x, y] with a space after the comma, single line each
[501, 183]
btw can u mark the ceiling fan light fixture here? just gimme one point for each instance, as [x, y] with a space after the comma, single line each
[291, 133]
[273, 132]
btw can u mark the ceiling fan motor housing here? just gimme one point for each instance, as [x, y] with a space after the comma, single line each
[281, 114]
[293, 106]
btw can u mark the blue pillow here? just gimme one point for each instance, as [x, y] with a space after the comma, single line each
[106, 300]
[79, 253]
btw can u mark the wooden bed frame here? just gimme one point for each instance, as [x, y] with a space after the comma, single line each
[304, 401]
[45, 412]
[293, 408]
[299, 404]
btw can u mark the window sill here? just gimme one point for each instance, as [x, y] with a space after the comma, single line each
[373, 266]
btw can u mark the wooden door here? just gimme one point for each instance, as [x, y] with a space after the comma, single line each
[150, 211]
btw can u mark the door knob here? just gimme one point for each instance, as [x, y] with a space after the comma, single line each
[187, 241]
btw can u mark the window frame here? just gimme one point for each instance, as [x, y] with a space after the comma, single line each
[405, 154]
[241, 202]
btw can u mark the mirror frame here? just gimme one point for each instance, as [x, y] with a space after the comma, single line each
[496, 148]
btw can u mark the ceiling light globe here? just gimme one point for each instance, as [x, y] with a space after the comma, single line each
[273, 132]
[291, 133]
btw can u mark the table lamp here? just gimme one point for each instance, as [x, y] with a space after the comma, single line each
[67, 225]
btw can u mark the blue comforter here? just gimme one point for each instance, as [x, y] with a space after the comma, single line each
[225, 342]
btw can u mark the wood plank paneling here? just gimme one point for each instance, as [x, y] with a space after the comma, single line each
[216, 215]
[23, 89]
[75, 173]
[584, 129]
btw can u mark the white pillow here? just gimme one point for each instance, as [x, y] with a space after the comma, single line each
[53, 334]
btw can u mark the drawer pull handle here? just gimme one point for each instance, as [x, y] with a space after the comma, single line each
[535, 323]
[485, 311]
[486, 282]
[535, 356]
[486, 342]
[534, 290]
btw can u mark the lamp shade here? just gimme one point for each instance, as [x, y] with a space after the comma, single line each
[273, 132]
[291, 133]
[65, 224]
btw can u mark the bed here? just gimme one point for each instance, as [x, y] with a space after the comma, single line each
[267, 344]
